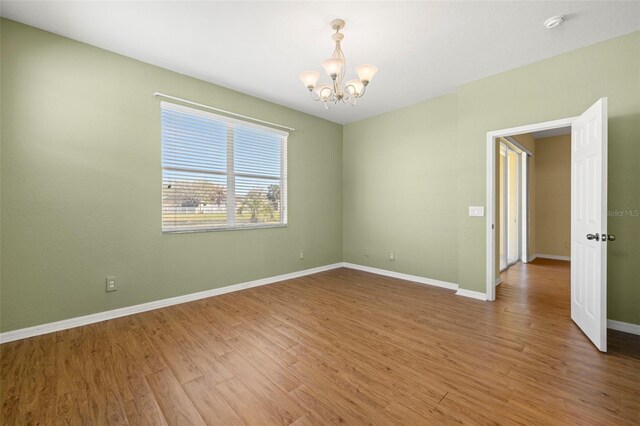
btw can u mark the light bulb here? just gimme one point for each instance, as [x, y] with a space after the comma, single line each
[366, 73]
[324, 92]
[333, 67]
[354, 87]
[309, 79]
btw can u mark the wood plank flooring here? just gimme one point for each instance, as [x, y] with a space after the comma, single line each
[337, 347]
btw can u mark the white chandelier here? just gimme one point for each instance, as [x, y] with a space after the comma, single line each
[335, 68]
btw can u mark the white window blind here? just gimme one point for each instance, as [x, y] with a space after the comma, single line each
[220, 173]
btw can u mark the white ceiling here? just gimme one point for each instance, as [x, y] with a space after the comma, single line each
[422, 49]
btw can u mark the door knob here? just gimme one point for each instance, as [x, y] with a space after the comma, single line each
[610, 237]
[593, 237]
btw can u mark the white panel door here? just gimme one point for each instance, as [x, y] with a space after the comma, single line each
[589, 223]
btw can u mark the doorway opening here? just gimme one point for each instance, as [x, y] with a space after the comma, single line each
[510, 178]
[588, 213]
[533, 190]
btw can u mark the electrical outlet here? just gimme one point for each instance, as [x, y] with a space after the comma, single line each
[392, 256]
[111, 284]
[301, 254]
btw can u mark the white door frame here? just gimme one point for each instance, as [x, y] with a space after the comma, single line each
[504, 222]
[523, 205]
[523, 200]
[491, 190]
[521, 182]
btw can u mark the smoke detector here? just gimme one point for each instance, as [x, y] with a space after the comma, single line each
[554, 22]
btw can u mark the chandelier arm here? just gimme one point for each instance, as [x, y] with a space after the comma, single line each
[353, 94]
[364, 89]
[348, 96]
[316, 97]
[327, 97]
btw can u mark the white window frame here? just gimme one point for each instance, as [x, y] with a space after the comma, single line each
[231, 175]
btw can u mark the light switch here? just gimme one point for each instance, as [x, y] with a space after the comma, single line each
[476, 210]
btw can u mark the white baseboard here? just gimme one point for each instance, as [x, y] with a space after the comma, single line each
[532, 258]
[401, 276]
[627, 327]
[37, 330]
[551, 256]
[421, 280]
[472, 294]
[498, 281]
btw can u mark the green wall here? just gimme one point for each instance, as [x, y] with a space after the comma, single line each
[81, 186]
[400, 190]
[558, 87]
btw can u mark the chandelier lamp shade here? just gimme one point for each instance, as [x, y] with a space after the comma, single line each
[335, 67]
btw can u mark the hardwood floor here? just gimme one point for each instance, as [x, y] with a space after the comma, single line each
[338, 347]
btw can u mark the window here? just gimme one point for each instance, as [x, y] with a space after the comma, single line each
[220, 173]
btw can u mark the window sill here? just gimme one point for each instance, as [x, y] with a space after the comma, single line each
[226, 228]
